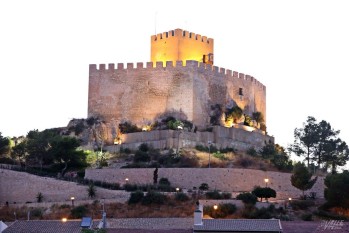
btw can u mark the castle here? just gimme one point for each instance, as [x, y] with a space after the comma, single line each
[180, 81]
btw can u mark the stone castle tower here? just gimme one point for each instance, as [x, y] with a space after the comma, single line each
[180, 81]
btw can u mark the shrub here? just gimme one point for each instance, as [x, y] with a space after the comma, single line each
[78, 212]
[39, 197]
[213, 195]
[222, 211]
[135, 197]
[144, 147]
[127, 127]
[203, 186]
[37, 213]
[181, 197]
[225, 195]
[328, 215]
[164, 181]
[301, 204]
[219, 155]
[307, 217]
[244, 162]
[247, 198]
[141, 156]
[154, 198]
[91, 191]
[252, 151]
[130, 187]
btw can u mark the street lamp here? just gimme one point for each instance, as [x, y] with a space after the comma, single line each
[215, 207]
[126, 180]
[266, 180]
[177, 189]
[64, 219]
[72, 201]
[179, 127]
[209, 154]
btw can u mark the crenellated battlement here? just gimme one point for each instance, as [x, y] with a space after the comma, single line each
[199, 66]
[181, 34]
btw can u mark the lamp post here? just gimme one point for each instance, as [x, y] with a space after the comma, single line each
[266, 180]
[209, 154]
[215, 207]
[179, 127]
[72, 201]
[177, 189]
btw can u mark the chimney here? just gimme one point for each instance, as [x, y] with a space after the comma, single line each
[198, 215]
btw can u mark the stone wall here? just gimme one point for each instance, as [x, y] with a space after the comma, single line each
[224, 179]
[21, 187]
[143, 95]
[221, 137]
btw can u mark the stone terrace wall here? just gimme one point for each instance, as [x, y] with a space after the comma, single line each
[221, 137]
[21, 187]
[224, 179]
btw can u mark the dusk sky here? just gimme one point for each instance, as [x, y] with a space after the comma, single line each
[298, 49]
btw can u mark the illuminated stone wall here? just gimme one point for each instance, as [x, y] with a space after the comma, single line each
[224, 179]
[144, 93]
[179, 45]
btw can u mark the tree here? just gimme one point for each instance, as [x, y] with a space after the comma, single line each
[337, 189]
[247, 198]
[203, 186]
[19, 151]
[234, 114]
[91, 191]
[64, 150]
[265, 192]
[336, 153]
[39, 197]
[155, 176]
[305, 139]
[4, 145]
[258, 117]
[301, 178]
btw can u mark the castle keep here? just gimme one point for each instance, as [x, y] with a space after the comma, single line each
[180, 81]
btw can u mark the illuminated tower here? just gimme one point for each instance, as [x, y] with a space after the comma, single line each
[179, 45]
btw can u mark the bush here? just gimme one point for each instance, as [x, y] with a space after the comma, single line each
[222, 211]
[181, 197]
[91, 191]
[141, 156]
[301, 204]
[154, 198]
[78, 212]
[39, 197]
[213, 195]
[144, 147]
[130, 187]
[265, 192]
[247, 198]
[127, 127]
[135, 197]
[307, 217]
[226, 195]
[37, 212]
[328, 215]
[252, 151]
[203, 186]
[164, 181]
[244, 162]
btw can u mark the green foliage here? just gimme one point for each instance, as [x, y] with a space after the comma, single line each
[301, 178]
[39, 197]
[4, 145]
[155, 176]
[217, 195]
[337, 189]
[222, 211]
[219, 155]
[248, 120]
[247, 198]
[127, 127]
[262, 213]
[164, 182]
[301, 204]
[277, 155]
[203, 186]
[78, 128]
[181, 197]
[329, 215]
[252, 151]
[175, 124]
[91, 121]
[91, 191]
[264, 192]
[307, 217]
[78, 212]
[154, 198]
[84, 230]
[36, 213]
[141, 156]
[130, 187]
[143, 147]
[234, 114]
[135, 197]
[258, 117]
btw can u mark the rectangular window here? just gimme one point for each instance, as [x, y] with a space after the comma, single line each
[240, 91]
